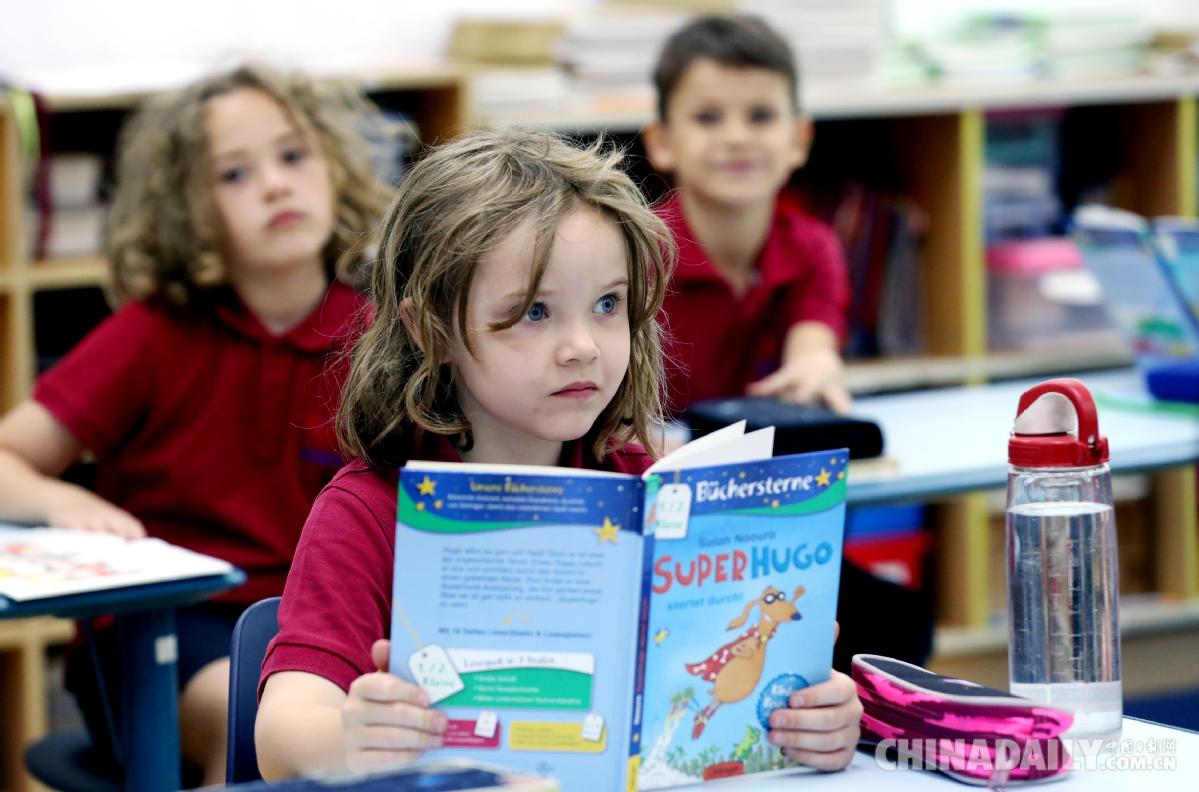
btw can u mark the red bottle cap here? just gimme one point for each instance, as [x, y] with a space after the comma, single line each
[1057, 426]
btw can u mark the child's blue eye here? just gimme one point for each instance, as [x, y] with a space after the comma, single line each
[232, 175]
[294, 155]
[536, 313]
[609, 303]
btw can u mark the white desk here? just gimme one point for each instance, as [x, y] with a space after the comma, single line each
[867, 773]
[951, 440]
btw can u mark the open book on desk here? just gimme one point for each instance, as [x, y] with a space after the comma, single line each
[615, 631]
[37, 563]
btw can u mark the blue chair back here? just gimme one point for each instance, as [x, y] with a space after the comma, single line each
[247, 648]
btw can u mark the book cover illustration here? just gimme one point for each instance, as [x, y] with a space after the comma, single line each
[746, 564]
[516, 606]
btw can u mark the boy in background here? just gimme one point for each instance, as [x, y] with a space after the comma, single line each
[758, 302]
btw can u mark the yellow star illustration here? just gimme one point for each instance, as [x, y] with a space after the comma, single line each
[774, 504]
[427, 487]
[607, 533]
[420, 505]
[823, 478]
[840, 475]
[437, 504]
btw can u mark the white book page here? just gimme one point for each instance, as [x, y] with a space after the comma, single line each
[51, 562]
[727, 446]
[508, 470]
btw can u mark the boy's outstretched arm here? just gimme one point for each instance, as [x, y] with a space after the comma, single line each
[34, 448]
[307, 724]
[811, 369]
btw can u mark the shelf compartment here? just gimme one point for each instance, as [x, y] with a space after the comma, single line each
[68, 273]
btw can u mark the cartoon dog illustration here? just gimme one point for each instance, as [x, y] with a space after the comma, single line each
[735, 668]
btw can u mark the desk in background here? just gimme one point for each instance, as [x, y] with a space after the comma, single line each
[149, 688]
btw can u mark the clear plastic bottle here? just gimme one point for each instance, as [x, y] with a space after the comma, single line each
[1062, 566]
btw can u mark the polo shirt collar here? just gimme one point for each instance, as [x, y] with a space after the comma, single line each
[440, 448]
[321, 329]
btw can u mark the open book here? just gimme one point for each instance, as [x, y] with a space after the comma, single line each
[617, 632]
[36, 563]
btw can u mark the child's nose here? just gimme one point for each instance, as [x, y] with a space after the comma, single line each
[275, 182]
[736, 130]
[578, 344]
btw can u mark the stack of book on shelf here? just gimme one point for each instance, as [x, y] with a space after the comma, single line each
[1095, 44]
[1013, 46]
[973, 733]
[613, 50]
[609, 54]
[835, 42]
[1174, 50]
[66, 214]
[511, 64]
[1020, 176]
[882, 236]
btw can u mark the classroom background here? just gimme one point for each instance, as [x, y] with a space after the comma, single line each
[953, 139]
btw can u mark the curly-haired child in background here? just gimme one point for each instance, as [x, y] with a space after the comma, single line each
[242, 203]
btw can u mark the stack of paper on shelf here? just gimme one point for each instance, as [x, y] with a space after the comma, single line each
[511, 65]
[1013, 46]
[69, 220]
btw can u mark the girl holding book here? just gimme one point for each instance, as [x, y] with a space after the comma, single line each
[207, 398]
[516, 301]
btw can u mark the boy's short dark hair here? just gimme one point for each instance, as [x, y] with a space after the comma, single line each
[740, 40]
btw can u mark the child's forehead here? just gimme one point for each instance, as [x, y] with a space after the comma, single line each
[585, 244]
[707, 77]
[244, 117]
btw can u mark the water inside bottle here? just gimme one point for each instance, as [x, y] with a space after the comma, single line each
[1062, 601]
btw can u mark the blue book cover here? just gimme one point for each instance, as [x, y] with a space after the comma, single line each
[547, 620]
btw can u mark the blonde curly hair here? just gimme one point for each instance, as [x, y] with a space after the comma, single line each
[455, 206]
[163, 235]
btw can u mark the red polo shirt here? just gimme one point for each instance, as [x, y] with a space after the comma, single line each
[338, 596]
[213, 432]
[718, 343]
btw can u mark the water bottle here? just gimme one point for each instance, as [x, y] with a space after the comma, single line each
[1062, 569]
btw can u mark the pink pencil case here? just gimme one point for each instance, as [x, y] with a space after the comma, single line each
[967, 731]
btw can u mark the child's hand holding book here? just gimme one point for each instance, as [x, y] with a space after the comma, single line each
[820, 727]
[385, 720]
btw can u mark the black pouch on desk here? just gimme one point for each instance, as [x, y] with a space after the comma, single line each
[797, 427]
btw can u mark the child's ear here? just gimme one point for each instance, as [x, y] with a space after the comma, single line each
[802, 141]
[407, 316]
[657, 146]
